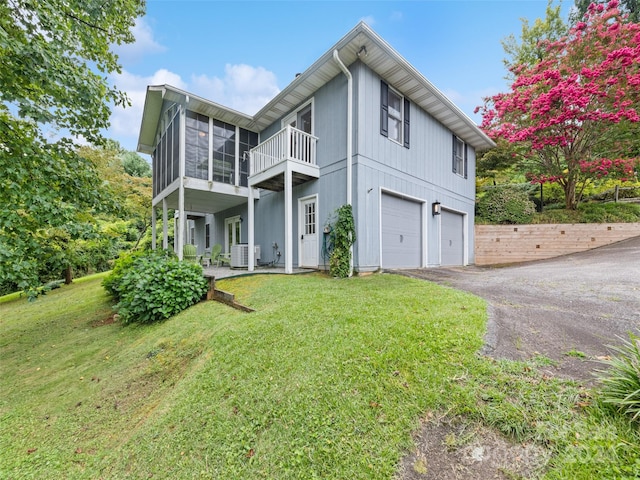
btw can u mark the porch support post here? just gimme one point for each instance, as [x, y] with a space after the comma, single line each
[165, 225]
[181, 220]
[181, 216]
[250, 227]
[153, 228]
[288, 221]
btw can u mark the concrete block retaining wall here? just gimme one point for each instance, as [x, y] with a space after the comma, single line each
[501, 244]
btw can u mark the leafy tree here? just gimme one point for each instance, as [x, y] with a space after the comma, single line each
[49, 195]
[531, 48]
[629, 7]
[560, 110]
[55, 56]
[135, 165]
[131, 193]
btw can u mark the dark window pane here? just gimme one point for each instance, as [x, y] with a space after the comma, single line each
[218, 128]
[203, 141]
[203, 123]
[176, 148]
[218, 144]
[192, 121]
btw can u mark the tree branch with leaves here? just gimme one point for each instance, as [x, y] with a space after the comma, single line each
[55, 56]
[564, 110]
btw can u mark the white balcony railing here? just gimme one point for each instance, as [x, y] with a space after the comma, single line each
[288, 144]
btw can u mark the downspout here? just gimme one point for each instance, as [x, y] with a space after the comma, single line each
[347, 73]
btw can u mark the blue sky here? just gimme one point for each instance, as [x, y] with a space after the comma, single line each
[242, 53]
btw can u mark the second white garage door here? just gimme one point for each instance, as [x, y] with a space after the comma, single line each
[452, 238]
[401, 232]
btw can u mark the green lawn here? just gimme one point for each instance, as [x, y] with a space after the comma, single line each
[327, 379]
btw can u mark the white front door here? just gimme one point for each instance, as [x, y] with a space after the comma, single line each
[308, 228]
[232, 232]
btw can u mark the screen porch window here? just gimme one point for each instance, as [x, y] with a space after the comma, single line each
[248, 140]
[197, 146]
[224, 152]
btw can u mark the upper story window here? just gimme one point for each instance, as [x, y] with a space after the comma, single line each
[302, 119]
[394, 115]
[197, 146]
[224, 152]
[248, 140]
[460, 163]
[165, 158]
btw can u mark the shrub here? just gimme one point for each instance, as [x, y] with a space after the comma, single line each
[343, 235]
[620, 382]
[506, 205]
[155, 286]
[121, 266]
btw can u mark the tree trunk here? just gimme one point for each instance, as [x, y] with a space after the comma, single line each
[68, 276]
[570, 194]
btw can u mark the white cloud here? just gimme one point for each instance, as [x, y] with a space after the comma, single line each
[144, 44]
[125, 122]
[243, 88]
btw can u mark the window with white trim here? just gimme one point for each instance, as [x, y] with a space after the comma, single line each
[459, 157]
[394, 115]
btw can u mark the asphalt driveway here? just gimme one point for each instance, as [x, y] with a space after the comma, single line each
[561, 308]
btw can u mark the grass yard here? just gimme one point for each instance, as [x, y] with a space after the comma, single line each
[327, 379]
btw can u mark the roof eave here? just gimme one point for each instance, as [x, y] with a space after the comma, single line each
[325, 68]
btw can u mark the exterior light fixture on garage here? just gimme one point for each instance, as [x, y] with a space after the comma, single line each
[435, 208]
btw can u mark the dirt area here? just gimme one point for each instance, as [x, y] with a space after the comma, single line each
[567, 309]
[452, 449]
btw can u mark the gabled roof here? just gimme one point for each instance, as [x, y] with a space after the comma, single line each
[380, 57]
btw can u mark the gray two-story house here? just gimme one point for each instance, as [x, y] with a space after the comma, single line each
[360, 126]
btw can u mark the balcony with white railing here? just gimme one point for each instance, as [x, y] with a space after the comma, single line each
[290, 148]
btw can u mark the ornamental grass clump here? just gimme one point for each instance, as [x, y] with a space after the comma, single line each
[620, 382]
[155, 286]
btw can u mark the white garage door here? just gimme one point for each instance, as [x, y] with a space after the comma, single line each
[452, 238]
[401, 233]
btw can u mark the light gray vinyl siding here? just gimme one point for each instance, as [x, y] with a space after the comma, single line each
[330, 122]
[429, 157]
[422, 172]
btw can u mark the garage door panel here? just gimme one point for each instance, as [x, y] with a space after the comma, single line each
[451, 238]
[401, 233]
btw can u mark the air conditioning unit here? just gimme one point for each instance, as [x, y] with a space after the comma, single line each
[240, 255]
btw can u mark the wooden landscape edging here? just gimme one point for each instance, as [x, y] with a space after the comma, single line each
[502, 244]
[221, 296]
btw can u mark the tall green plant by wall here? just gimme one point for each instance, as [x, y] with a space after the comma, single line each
[343, 236]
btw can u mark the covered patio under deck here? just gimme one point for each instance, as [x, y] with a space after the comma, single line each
[193, 196]
[283, 161]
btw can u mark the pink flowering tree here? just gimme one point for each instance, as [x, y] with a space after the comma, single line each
[563, 109]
